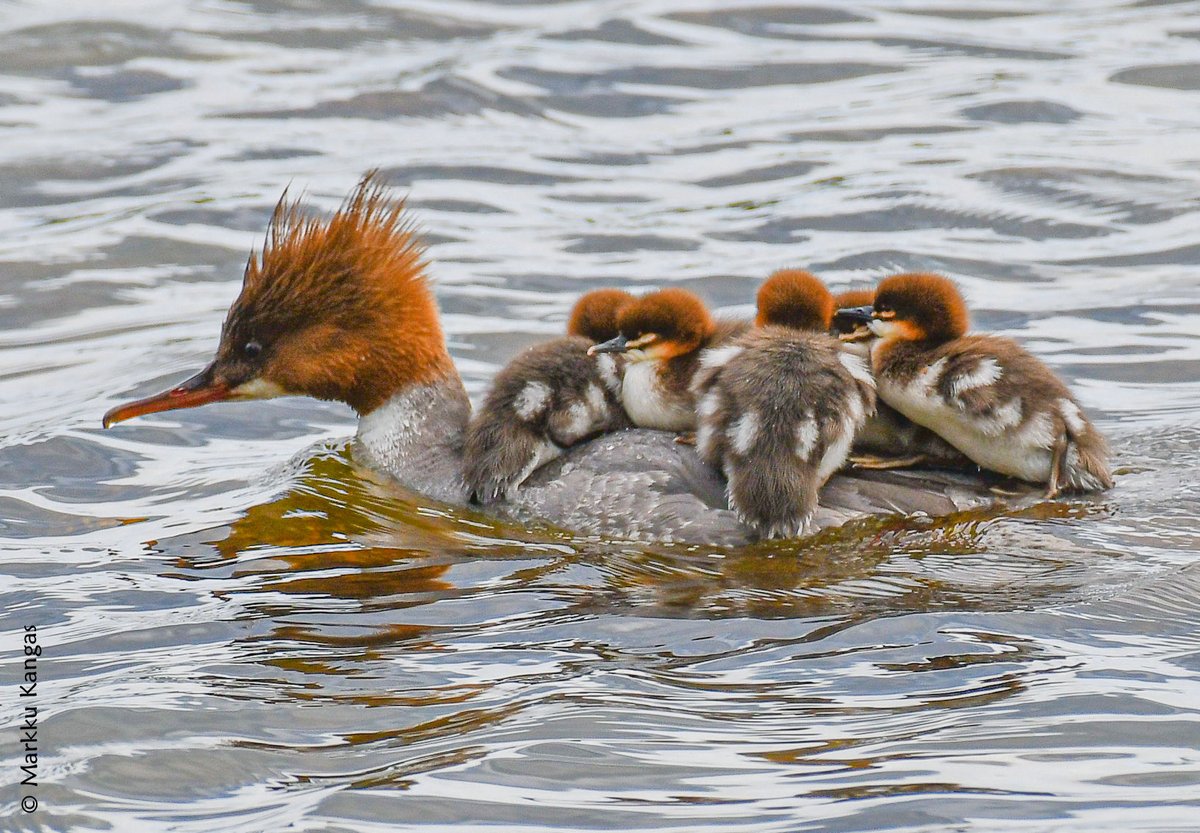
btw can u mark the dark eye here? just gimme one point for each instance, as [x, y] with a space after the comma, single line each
[252, 349]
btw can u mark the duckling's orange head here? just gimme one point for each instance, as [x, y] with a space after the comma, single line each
[861, 297]
[335, 308]
[919, 307]
[594, 315]
[796, 299]
[662, 325]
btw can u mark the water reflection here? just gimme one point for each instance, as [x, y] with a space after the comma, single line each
[340, 534]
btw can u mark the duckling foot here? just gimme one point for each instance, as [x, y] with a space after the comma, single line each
[871, 461]
[1056, 467]
[686, 438]
[1001, 491]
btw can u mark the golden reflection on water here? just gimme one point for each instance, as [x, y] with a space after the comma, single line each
[338, 534]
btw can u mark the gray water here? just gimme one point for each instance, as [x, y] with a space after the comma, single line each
[243, 632]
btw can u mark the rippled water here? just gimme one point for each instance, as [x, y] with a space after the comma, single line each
[242, 632]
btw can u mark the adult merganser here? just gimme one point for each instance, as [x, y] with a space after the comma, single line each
[552, 396]
[662, 336]
[341, 309]
[779, 406]
[888, 439]
[983, 394]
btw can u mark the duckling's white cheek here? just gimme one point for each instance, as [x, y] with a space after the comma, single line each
[883, 329]
[258, 389]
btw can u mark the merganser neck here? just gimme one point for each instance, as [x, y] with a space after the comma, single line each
[416, 437]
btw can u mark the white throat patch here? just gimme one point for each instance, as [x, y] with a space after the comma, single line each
[258, 388]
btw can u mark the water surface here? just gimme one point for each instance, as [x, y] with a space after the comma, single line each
[244, 632]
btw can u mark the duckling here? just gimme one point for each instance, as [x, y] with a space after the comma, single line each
[985, 395]
[888, 439]
[780, 406]
[662, 336]
[551, 397]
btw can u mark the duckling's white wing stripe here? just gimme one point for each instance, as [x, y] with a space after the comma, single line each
[806, 438]
[719, 356]
[744, 433]
[532, 400]
[1072, 416]
[987, 372]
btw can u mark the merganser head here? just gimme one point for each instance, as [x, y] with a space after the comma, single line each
[796, 299]
[336, 308]
[660, 326]
[915, 307]
[594, 315]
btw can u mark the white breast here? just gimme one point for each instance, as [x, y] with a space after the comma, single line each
[648, 405]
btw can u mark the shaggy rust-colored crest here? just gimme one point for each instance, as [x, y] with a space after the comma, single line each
[676, 316]
[339, 308]
[594, 315]
[929, 303]
[796, 299]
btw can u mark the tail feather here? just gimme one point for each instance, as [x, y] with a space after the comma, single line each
[776, 501]
[1085, 464]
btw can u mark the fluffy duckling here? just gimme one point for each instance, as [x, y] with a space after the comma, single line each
[549, 398]
[780, 406]
[888, 439]
[662, 336]
[985, 395]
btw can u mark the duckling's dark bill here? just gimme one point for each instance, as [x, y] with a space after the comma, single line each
[613, 345]
[855, 314]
